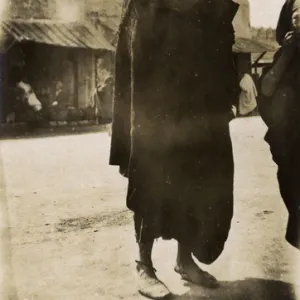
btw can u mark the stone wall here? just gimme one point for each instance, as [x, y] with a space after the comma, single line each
[45, 9]
[241, 21]
[27, 9]
[110, 11]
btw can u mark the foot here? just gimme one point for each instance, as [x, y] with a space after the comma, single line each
[192, 273]
[148, 284]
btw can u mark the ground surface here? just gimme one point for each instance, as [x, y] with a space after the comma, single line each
[71, 235]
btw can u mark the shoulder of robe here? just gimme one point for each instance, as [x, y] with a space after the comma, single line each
[231, 8]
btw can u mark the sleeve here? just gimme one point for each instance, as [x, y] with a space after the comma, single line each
[121, 125]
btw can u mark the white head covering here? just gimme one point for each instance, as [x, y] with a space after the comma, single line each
[32, 100]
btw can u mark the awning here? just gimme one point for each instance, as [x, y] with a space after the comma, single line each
[83, 35]
[244, 45]
[56, 33]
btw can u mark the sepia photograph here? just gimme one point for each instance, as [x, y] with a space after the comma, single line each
[149, 149]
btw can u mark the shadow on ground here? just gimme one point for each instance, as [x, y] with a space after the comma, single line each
[248, 289]
[23, 132]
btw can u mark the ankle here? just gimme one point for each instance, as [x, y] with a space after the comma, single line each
[144, 265]
[185, 261]
[144, 255]
[145, 269]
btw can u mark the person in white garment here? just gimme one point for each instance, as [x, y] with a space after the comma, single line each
[248, 94]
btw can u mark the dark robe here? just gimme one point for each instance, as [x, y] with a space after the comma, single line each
[175, 83]
[281, 114]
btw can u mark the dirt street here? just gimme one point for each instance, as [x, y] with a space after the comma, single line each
[71, 235]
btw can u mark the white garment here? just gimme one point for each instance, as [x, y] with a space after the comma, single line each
[30, 96]
[24, 86]
[247, 99]
[34, 102]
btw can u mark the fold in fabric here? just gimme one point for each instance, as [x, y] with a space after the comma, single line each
[247, 99]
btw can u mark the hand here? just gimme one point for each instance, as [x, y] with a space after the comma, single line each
[289, 39]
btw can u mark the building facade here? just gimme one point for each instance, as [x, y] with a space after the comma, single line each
[53, 44]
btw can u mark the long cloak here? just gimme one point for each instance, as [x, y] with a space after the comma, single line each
[175, 83]
[281, 114]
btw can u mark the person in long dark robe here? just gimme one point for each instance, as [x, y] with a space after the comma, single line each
[281, 114]
[175, 83]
